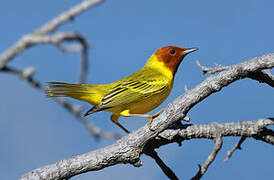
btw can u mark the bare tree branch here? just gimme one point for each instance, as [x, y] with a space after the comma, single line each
[266, 135]
[129, 148]
[57, 39]
[202, 169]
[66, 16]
[126, 151]
[237, 146]
[168, 172]
[261, 76]
[27, 75]
[42, 36]
[21, 44]
[60, 37]
[178, 132]
[217, 68]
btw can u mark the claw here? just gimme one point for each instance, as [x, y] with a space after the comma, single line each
[154, 116]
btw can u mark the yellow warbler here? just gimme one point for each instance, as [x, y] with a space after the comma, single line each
[133, 95]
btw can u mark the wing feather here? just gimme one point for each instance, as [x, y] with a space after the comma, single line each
[134, 88]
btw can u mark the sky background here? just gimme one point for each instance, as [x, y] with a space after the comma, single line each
[35, 131]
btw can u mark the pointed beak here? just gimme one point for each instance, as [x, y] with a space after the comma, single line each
[189, 50]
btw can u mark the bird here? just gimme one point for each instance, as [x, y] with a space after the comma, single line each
[134, 95]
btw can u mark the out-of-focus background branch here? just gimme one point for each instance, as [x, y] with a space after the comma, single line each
[41, 36]
[47, 28]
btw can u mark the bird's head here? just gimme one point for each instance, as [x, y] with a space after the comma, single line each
[170, 56]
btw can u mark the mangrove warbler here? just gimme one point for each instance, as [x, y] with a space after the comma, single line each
[133, 95]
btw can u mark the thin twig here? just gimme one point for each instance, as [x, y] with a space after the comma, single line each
[237, 146]
[66, 16]
[57, 40]
[168, 172]
[261, 76]
[94, 130]
[217, 68]
[52, 25]
[84, 53]
[202, 169]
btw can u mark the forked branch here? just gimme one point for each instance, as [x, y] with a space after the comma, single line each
[237, 146]
[202, 169]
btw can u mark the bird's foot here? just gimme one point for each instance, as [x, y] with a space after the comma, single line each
[151, 117]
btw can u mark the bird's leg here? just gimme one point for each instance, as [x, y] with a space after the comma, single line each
[122, 127]
[154, 116]
[151, 117]
[114, 119]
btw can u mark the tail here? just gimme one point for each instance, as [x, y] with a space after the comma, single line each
[89, 93]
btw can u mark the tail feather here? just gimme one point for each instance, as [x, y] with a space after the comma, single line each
[89, 93]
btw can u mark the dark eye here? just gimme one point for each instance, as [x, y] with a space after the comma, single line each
[172, 51]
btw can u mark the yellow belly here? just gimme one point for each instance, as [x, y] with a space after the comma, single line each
[148, 104]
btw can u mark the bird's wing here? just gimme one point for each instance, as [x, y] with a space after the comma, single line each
[134, 88]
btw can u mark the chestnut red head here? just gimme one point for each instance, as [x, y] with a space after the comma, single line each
[172, 56]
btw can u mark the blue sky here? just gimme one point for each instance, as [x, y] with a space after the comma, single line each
[35, 131]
